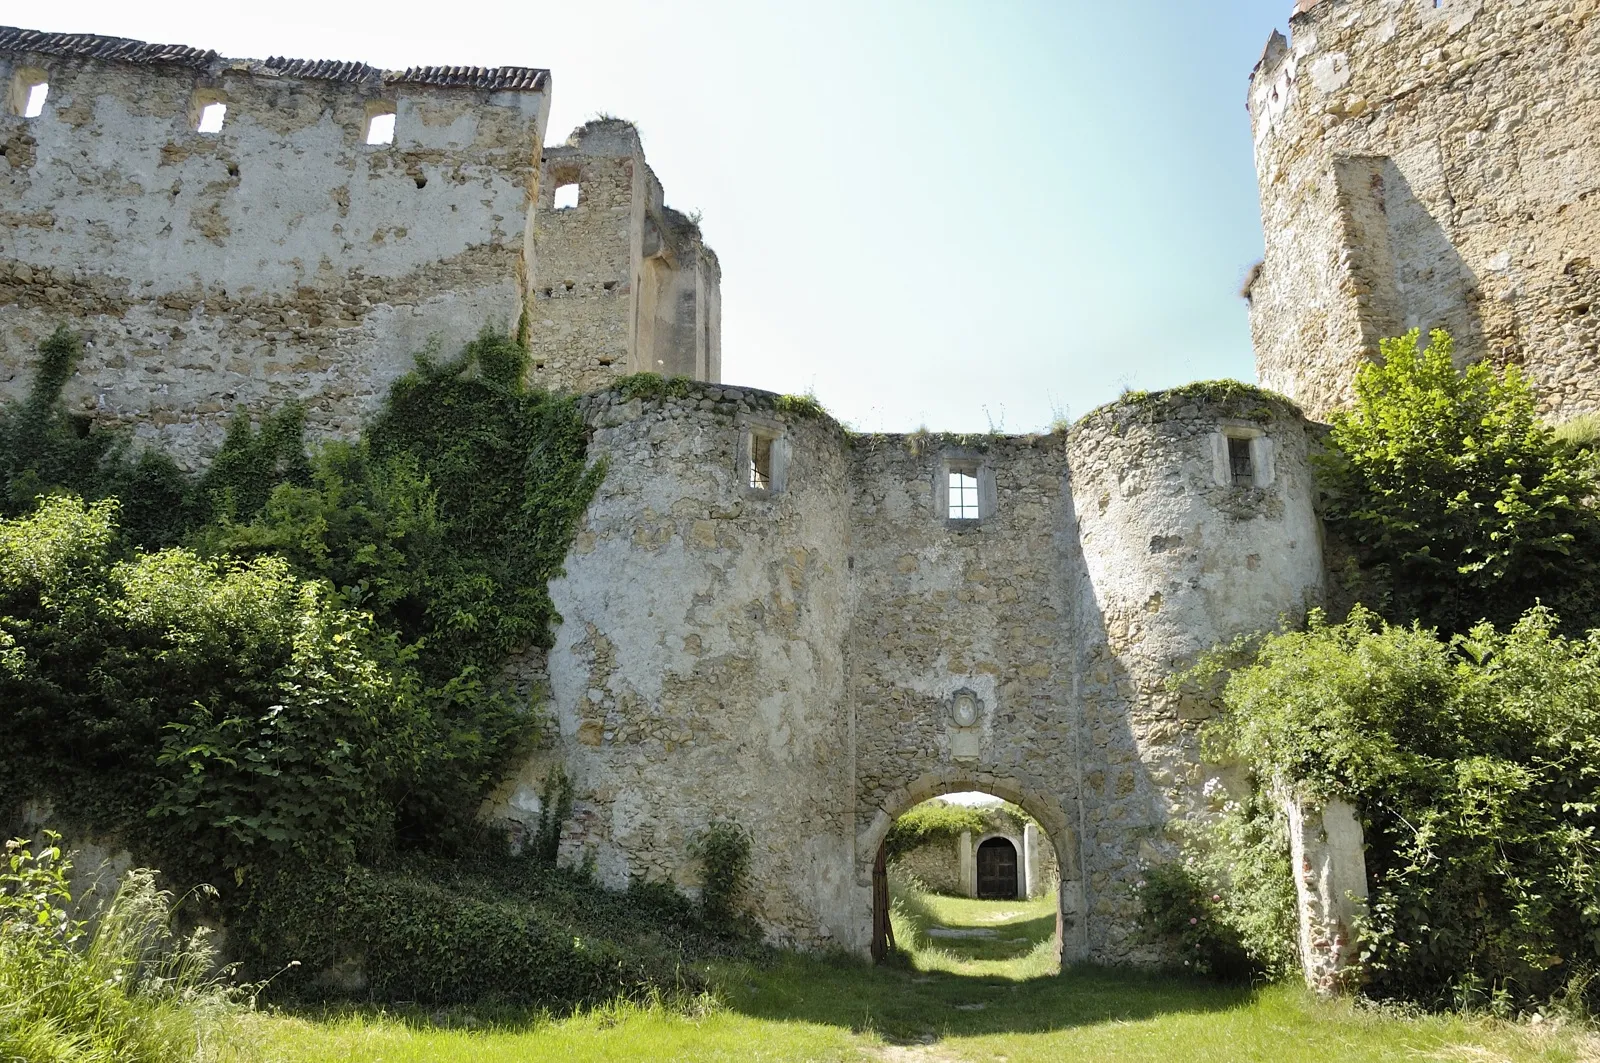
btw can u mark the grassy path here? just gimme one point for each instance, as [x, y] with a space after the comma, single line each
[962, 997]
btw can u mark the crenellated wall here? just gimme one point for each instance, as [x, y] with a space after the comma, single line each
[815, 659]
[1430, 165]
[279, 258]
[284, 258]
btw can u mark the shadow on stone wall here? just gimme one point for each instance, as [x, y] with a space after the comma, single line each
[1404, 264]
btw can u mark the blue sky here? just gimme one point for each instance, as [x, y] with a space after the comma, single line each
[957, 215]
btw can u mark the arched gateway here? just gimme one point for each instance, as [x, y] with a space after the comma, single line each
[768, 620]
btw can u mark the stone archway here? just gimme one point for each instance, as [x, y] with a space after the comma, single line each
[1071, 940]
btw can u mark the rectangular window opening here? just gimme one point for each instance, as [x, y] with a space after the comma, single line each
[963, 494]
[760, 462]
[566, 197]
[380, 124]
[29, 89]
[1239, 462]
[212, 115]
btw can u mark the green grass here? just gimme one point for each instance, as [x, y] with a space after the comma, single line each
[968, 999]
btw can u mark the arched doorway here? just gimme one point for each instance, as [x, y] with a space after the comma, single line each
[1056, 872]
[997, 870]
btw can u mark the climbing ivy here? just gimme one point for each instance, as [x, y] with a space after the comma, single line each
[424, 548]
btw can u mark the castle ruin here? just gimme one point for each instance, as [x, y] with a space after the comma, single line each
[767, 617]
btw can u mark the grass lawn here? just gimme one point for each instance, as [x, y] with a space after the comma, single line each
[984, 997]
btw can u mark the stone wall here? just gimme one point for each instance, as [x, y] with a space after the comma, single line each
[280, 258]
[935, 867]
[283, 258]
[1430, 165]
[698, 671]
[626, 284]
[944, 606]
[1172, 553]
[815, 660]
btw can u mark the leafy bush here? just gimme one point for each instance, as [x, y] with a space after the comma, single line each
[1179, 909]
[1461, 505]
[1475, 764]
[236, 703]
[131, 991]
[932, 821]
[1227, 908]
[724, 852]
[513, 931]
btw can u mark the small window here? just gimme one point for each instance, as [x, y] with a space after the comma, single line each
[1239, 462]
[760, 462]
[566, 197]
[29, 89]
[380, 123]
[212, 116]
[963, 493]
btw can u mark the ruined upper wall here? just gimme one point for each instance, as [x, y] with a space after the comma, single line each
[282, 258]
[1428, 166]
[625, 283]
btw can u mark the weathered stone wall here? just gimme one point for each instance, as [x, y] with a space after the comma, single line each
[935, 866]
[698, 670]
[1173, 557]
[945, 606]
[802, 660]
[1430, 165]
[626, 284]
[280, 258]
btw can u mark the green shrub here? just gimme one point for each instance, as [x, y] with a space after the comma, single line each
[1227, 908]
[723, 849]
[1179, 910]
[235, 703]
[474, 931]
[131, 990]
[1475, 766]
[1460, 504]
[932, 821]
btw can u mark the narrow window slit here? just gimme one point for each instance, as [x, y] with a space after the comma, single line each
[760, 462]
[380, 124]
[30, 87]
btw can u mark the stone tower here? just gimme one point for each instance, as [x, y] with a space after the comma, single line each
[626, 284]
[1429, 164]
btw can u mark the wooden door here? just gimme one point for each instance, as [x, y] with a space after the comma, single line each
[882, 928]
[997, 870]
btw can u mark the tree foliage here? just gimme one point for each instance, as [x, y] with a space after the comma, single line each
[1461, 504]
[235, 702]
[1475, 763]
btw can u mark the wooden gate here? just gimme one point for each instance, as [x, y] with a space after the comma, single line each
[997, 870]
[882, 929]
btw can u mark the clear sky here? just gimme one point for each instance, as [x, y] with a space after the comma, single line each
[957, 215]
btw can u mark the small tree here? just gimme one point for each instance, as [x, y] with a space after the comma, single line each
[1460, 503]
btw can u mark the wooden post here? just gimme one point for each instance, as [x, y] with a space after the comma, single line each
[882, 928]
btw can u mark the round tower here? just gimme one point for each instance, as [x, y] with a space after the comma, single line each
[1428, 165]
[697, 673]
[1194, 524]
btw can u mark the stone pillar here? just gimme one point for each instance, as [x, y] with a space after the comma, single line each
[1326, 849]
[1030, 860]
[969, 865]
